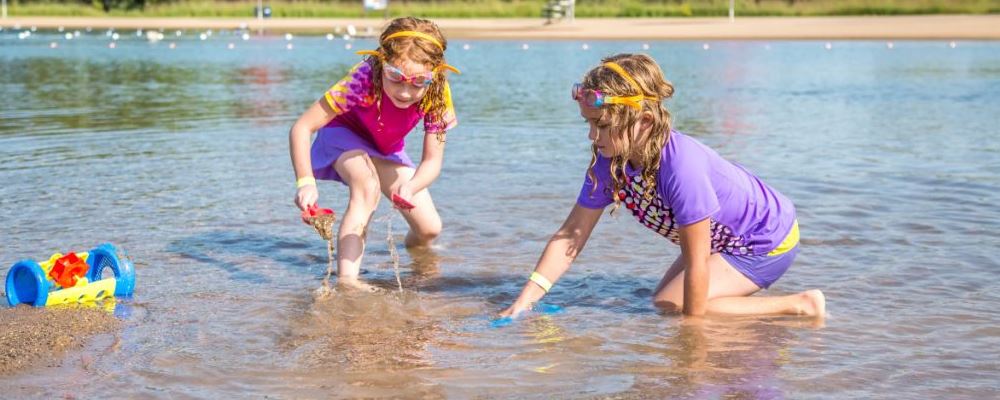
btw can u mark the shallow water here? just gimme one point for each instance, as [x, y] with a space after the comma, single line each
[180, 157]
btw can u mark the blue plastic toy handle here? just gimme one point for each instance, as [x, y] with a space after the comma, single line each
[106, 256]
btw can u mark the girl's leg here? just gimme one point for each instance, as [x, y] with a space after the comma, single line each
[423, 219]
[356, 169]
[728, 292]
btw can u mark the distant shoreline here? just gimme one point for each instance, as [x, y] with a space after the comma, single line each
[928, 27]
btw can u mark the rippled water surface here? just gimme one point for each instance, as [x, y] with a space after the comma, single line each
[180, 157]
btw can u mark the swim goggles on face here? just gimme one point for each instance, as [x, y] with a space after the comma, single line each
[594, 98]
[396, 75]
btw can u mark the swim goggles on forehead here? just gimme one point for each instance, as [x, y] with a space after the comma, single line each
[595, 98]
[396, 75]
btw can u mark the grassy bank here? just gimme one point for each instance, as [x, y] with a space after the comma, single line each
[519, 8]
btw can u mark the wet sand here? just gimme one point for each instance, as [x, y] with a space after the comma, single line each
[32, 337]
[943, 27]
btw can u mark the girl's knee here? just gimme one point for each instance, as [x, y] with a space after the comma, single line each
[668, 302]
[668, 305]
[424, 234]
[365, 193]
[429, 233]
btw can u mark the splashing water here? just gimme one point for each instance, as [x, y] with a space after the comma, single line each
[391, 243]
[324, 227]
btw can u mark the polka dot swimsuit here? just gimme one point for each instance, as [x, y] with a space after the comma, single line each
[651, 212]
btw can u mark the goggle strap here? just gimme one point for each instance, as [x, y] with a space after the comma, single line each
[632, 101]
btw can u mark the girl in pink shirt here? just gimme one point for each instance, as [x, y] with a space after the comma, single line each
[361, 123]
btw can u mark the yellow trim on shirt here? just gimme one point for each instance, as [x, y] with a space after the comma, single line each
[791, 240]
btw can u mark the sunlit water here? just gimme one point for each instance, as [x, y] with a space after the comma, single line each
[180, 157]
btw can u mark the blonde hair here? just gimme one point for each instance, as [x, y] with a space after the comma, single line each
[417, 50]
[622, 118]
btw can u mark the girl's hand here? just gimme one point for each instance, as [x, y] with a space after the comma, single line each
[306, 196]
[405, 192]
[511, 311]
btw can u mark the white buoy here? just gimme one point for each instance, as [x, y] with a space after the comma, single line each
[203, 36]
[645, 46]
[346, 37]
[585, 46]
[289, 37]
[53, 45]
[246, 36]
[112, 45]
[154, 36]
[348, 46]
[952, 44]
[705, 46]
[231, 46]
[351, 30]
[172, 45]
[115, 36]
[61, 29]
[329, 36]
[524, 46]
[889, 45]
[289, 46]
[828, 45]
[68, 36]
[466, 46]
[178, 33]
[76, 33]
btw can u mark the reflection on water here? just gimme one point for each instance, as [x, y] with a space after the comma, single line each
[180, 157]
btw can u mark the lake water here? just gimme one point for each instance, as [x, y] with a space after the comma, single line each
[180, 157]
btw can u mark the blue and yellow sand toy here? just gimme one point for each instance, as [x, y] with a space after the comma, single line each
[70, 278]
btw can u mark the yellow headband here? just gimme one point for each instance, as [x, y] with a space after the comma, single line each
[375, 53]
[415, 34]
[627, 100]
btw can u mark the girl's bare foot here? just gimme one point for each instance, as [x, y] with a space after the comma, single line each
[323, 292]
[812, 303]
[356, 284]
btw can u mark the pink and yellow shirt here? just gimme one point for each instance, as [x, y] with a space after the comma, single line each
[384, 125]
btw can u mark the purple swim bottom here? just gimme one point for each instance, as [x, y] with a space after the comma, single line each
[332, 142]
[763, 270]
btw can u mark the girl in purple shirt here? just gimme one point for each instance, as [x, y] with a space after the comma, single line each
[360, 124]
[737, 234]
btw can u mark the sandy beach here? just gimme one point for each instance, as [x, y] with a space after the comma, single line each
[943, 27]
